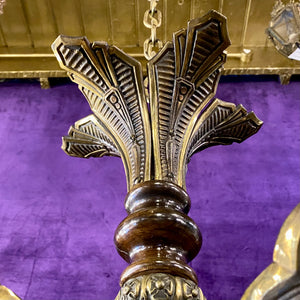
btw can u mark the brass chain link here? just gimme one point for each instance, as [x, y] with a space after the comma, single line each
[152, 20]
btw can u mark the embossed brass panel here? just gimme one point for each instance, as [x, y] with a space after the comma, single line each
[160, 286]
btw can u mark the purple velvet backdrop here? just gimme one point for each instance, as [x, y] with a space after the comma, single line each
[58, 214]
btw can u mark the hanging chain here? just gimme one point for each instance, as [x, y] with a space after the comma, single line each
[152, 20]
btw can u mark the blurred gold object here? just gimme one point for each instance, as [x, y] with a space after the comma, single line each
[7, 294]
[284, 28]
[245, 56]
[281, 279]
[2, 3]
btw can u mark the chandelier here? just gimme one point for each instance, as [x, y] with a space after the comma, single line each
[157, 238]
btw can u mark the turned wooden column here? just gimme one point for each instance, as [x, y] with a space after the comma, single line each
[155, 143]
[158, 236]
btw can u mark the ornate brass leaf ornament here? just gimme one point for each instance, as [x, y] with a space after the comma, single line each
[155, 146]
[112, 83]
[183, 78]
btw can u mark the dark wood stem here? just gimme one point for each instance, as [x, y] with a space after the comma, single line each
[158, 236]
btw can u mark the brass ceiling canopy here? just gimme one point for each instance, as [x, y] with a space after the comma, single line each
[27, 28]
[157, 238]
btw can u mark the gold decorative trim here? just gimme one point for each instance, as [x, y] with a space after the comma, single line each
[160, 286]
[33, 74]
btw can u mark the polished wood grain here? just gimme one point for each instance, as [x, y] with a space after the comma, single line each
[158, 236]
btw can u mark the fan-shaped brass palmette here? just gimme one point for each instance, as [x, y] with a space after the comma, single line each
[183, 78]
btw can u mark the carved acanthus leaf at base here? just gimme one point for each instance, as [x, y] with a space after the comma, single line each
[160, 286]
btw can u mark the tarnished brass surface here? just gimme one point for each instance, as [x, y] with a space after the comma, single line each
[112, 82]
[87, 138]
[7, 294]
[160, 286]
[281, 279]
[120, 23]
[182, 81]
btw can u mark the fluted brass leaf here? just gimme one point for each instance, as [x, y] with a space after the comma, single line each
[87, 138]
[222, 123]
